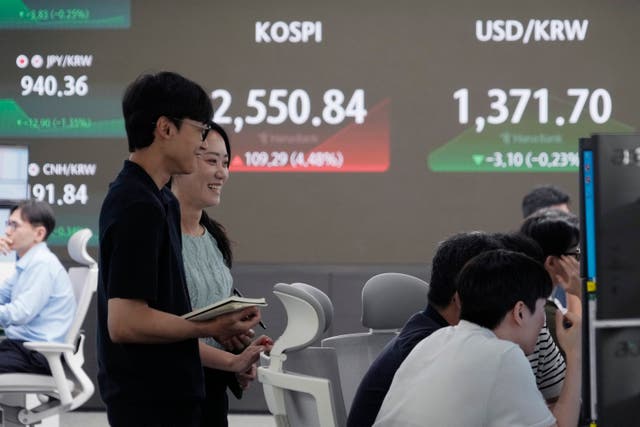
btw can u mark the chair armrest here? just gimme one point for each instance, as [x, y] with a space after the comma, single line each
[53, 352]
[319, 388]
[48, 347]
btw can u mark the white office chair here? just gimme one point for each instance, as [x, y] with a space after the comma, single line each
[388, 301]
[301, 383]
[68, 386]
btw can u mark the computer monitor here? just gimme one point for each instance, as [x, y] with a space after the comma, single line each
[610, 220]
[14, 182]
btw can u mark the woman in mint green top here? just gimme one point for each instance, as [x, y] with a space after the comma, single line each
[207, 258]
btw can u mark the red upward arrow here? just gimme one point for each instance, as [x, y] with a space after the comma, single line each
[237, 161]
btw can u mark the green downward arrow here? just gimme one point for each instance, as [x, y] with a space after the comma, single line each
[478, 159]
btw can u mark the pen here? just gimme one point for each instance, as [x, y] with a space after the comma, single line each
[238, 294]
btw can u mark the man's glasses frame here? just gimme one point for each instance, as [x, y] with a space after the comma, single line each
[574, 253]
[204, 128]
[12, 224]
[15, 225]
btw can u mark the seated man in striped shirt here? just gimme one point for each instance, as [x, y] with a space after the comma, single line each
[558, 234]
[547, 360]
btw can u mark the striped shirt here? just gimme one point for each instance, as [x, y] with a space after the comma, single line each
[548, 365]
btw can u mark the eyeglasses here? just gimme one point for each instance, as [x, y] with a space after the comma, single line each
[574, 253]
[204, 129]
[11, 224]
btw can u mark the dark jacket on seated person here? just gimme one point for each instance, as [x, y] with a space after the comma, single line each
[377, 380]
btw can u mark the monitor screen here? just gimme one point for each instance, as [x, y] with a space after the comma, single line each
[14, 161]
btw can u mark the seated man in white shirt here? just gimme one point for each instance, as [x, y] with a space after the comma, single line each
[37, 301]
[476, 373]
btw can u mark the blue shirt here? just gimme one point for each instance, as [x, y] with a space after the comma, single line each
[37, 301]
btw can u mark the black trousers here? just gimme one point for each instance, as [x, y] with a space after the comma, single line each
[15, 357]
[154, 414]
[216, 404]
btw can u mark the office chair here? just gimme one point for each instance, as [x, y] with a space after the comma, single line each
[388, 301]
[68, 386]
[302, 383]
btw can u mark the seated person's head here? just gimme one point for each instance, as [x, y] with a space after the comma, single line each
[451, 256]
[557, 232]
[505, 291]
[546, 196]
[30, 223]
[519, 242]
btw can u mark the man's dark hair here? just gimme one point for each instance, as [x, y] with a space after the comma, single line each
[493, 282]
[37, 213]
[166, 94]
[543, 197]
[556, 232]
[451, 256]
[518, 242]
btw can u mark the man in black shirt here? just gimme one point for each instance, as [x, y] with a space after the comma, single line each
[149, 368]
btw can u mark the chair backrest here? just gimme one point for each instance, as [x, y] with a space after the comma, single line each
[302, 408]
[323, 299]
[355, 353]
[306, 320]
[388, 300]
[302, 383]
[83, 279]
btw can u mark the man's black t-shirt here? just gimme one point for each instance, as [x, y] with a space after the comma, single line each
[141, 258]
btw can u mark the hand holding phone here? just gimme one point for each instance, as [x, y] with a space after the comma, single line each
[558, 304]
[566, 323]
[569, 332]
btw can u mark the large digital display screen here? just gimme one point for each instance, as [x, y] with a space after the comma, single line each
[361, 131]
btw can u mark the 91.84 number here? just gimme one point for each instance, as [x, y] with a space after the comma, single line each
[70, 194]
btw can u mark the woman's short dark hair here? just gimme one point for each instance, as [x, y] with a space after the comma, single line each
[214, 227]
[554, 230]
[220, 131]
[518, 242]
